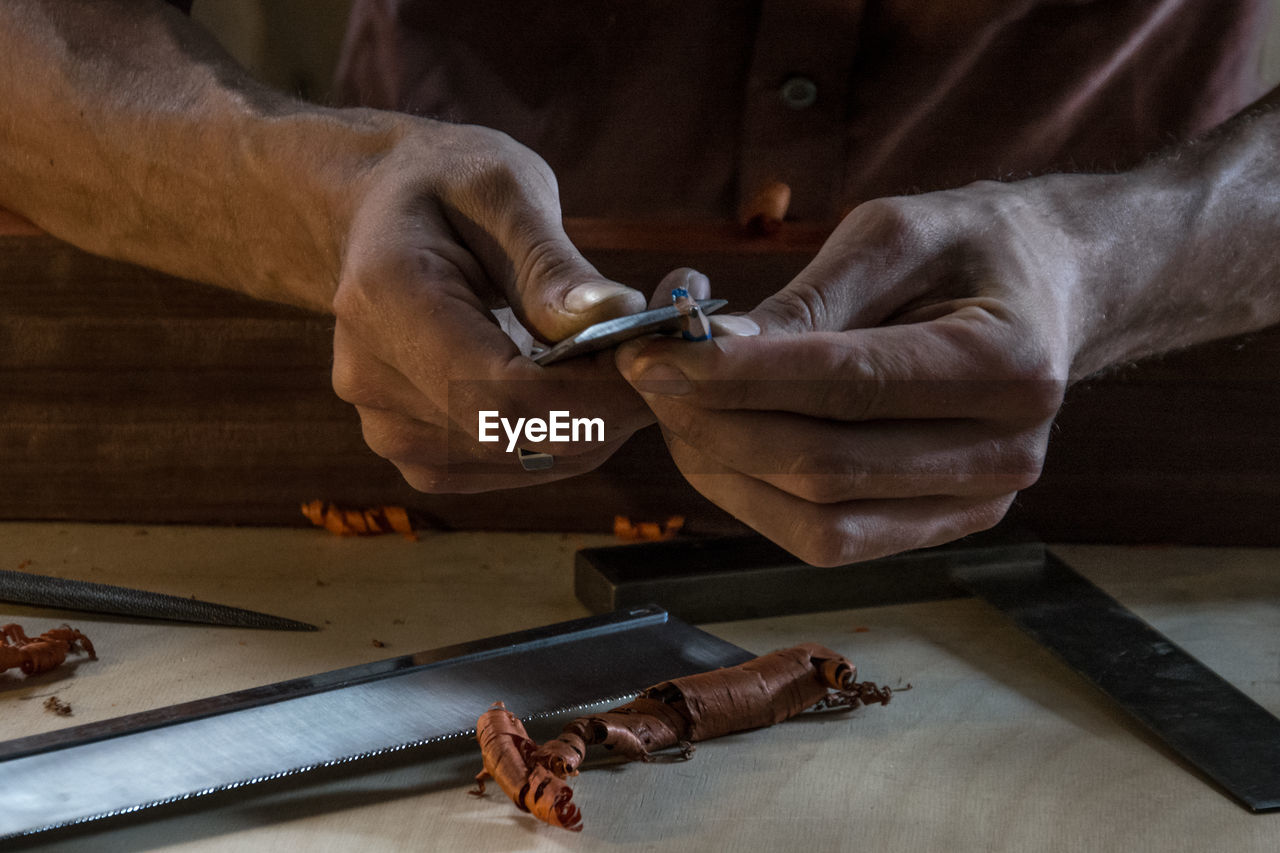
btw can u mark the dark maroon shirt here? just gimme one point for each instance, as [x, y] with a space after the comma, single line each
[678, 109]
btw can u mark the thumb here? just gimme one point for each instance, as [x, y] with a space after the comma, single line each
[557, 292]
[824, 296]
[875, 261]
[509, 218]
[549, 285]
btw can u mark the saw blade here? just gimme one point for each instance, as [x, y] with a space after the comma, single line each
[252, 736]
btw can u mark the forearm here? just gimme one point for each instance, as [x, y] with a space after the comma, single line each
[127, 131]
[1180, 251]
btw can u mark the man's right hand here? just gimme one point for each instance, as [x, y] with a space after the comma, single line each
[455, 221]
[131, 134]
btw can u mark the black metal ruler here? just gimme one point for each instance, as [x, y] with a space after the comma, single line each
[1234, 741]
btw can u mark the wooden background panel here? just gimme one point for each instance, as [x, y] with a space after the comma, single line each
[132, 396]
[1183, 449]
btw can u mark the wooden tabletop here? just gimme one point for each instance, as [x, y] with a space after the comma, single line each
[997, 746]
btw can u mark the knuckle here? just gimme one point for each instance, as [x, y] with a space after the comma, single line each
[983, 516]
[386, 439]
[801, 304]
[506, 152]
[863, 387]
[896, 225]
[488, 180]
[1005, 465]
[497, 168]
[823, 539]
[825, 478]
[823, 489]
[548, 259]
[1023, 462]
[1040, 393]
[348, 300]
[403, 442]
[355, 377]
[1024, 377]
[1035, 383]
[681, 420]
[540, 169]
[886, 214]
[347, 381]
[364, 284]
[495, 183]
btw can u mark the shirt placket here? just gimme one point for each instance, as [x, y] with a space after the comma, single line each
[797, 104]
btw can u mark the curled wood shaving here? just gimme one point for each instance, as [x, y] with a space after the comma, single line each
[359, 522]
[505, 747]
[760, 692]
[765, 210]
[34, 655]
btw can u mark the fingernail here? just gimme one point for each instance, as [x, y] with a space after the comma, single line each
[584, 297]
[698, 285]
[663, 379]
[734, 324]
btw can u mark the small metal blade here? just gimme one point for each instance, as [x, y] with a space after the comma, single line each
[67, 594]
[1228, 736]
[611, 332]
[118, 766]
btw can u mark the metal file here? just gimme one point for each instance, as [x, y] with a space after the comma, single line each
[71, 594]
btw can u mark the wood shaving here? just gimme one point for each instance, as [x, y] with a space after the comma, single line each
[646, 531]
[373, 521]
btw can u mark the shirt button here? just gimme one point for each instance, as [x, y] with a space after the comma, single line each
[799, 93]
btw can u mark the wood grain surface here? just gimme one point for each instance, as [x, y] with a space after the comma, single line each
[133, 396]
[998, 746]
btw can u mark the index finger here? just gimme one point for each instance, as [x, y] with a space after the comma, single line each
[966, 364]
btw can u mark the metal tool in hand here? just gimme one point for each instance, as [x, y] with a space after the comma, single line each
[694, 325]
[67, 594]
[683, 315]
[613, 332]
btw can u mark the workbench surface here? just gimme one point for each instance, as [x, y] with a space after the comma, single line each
[997, 746]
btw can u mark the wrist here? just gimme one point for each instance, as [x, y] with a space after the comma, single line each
[1175, 253]
[1118, 233]
[305, 173]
